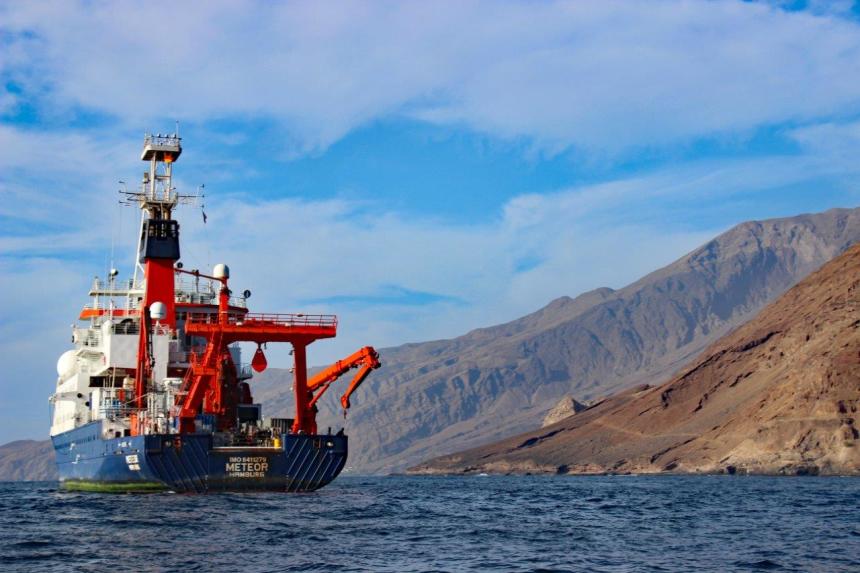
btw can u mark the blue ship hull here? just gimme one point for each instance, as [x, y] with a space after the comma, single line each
[190, 463]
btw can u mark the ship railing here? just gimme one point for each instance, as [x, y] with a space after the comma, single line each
[87, 337]
[197, 285]
[208, 299]
[252, 318]
[194, 297]
[158, 139]
[238, 302]
[120, 286]
[115, 411]
[125, 308]
[202, 291]
[130, 327]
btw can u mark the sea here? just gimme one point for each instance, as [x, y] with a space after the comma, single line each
[480, 523]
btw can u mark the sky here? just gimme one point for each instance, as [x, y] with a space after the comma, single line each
[418, 168]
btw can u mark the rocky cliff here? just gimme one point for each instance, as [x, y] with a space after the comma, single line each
[780, 395]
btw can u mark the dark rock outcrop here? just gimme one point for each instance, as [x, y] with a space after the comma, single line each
[566, 407]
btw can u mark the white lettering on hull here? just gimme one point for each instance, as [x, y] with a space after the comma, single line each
[247, 467]
[133, 462]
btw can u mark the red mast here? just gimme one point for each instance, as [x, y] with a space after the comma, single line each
[158, 251]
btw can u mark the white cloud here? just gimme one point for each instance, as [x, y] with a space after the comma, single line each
[841, 140]
[604, 76]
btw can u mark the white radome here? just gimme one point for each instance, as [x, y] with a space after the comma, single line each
[221, 271]
[66, 364]
[158, 310]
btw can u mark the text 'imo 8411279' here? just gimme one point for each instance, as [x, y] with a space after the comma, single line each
[154, 395]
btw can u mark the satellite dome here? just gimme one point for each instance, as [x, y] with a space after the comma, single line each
[158, 311]
[221, 271]
[66, 364]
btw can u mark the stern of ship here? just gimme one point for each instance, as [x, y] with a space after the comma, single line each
[190, 463]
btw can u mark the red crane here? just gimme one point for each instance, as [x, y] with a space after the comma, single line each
[211, 385]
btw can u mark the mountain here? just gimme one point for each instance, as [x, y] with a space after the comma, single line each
[441, 396]
[27, 460]
[780, 395]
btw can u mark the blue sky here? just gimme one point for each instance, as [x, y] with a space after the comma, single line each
[421, 169]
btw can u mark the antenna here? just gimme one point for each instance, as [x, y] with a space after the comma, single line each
[202, 202]
[157, 197]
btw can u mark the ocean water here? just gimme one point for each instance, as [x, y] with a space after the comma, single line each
[403, 524]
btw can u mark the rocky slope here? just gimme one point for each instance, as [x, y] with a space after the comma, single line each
[27, 460]
[436, 397]
[780, 395]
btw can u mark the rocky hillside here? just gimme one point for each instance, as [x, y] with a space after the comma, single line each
[436, 397]
[27, 460]
[780, 395]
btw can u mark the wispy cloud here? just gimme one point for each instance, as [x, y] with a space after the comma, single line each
[386, 295]
[831, 139]
[604, 76]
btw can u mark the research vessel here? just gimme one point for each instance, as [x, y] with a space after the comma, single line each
[155, 396]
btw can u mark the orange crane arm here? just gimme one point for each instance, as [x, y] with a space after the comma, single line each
[356, 382]
[365, 360]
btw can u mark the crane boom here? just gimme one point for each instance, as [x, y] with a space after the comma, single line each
[365, 360]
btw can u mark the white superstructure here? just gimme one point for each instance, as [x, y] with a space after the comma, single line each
[95, 380]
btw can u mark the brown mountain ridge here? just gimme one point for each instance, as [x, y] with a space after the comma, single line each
[779, 395]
